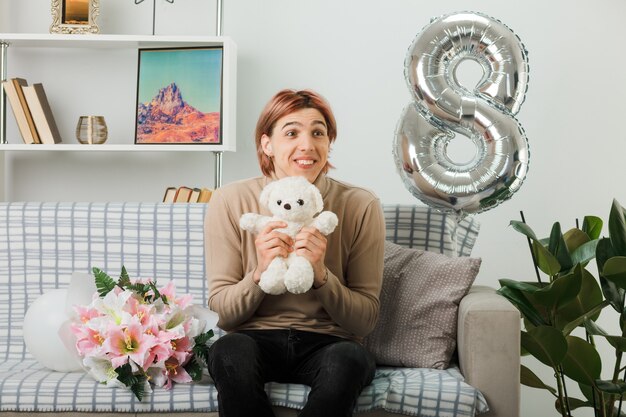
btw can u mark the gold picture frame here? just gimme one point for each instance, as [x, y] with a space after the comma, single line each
[75, 16]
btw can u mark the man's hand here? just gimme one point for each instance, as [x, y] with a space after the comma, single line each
[311, 244]
[270, 244]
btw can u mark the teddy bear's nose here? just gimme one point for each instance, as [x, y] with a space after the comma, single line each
[287, 206]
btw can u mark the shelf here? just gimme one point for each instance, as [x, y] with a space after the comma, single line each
[103, 46]
[42, 40]
[134, 42]
[77, 147]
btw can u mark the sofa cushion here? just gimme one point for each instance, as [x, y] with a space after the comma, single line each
[418, 307]
[424, 228]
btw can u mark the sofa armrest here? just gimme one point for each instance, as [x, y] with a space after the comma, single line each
[488, 344]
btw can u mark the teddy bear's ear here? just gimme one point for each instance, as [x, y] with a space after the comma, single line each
[317, 198]
[264, 198]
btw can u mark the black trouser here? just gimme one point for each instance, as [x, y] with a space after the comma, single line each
[241, 363]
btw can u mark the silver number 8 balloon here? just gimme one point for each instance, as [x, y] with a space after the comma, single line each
[485, 115]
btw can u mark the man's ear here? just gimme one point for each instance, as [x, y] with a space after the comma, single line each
[266, 145]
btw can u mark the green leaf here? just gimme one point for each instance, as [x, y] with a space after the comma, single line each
[561, 290]
[124, 280]
[125, 375]
[567, 329]
[574, 238]
[138, 387]
[592, 226]
[528, 378]
[604, 251]
[585, 252]
[523, 286]
[587, 391]
[589, 296]
[545, 260]
[194, 369]
[614, 294]
[516, 297]
[611, 387]
[151, 286]
[545, 343]
[582, 362]
[617, 228]
[617, 342]
[136, 383]
[200, 348]
[104, 283]
[139, 288]
[615, 271]
[523, 228]
[573, 403]
[558, 248]
[202, 338]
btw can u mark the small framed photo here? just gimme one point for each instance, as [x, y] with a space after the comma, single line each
[179, 96]
[75, 16]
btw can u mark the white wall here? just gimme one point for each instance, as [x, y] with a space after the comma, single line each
[352, 51]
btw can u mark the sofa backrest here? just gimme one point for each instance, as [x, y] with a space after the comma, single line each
[423, 228]
[42, 244]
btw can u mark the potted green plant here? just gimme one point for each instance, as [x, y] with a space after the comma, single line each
[569, 299]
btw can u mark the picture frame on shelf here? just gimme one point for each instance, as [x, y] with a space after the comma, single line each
[179, 96]
[75, 16]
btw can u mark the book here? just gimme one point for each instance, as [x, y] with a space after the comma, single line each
[168, 197]
[205, 195]
[42, 114]
[20, 112]
[182, 194]
[20, 84]
[193, 197]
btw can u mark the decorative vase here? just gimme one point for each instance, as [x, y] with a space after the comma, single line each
[91, 130]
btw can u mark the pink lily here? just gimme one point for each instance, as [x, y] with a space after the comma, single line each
[175, 372]
[86, 313]
[129, 342]
[169, 290]
[142, 311]
[89, 341]
[181, 349]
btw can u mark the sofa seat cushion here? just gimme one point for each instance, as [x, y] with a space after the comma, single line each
[27, 386]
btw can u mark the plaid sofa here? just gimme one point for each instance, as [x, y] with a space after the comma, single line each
[42, 244]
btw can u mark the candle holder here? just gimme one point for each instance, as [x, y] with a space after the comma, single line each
[91, 130]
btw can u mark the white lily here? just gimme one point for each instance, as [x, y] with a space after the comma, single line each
[196, 327]
[113, 304]
[102, 371]
[157, 374]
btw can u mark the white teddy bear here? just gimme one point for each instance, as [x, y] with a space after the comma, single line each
[295, 201]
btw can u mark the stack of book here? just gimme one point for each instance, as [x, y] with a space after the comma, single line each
[187, 195]
[32, 111]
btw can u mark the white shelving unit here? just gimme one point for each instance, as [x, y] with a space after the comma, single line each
[102, 43]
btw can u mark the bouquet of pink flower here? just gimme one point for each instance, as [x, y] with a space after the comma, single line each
[134, 333]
